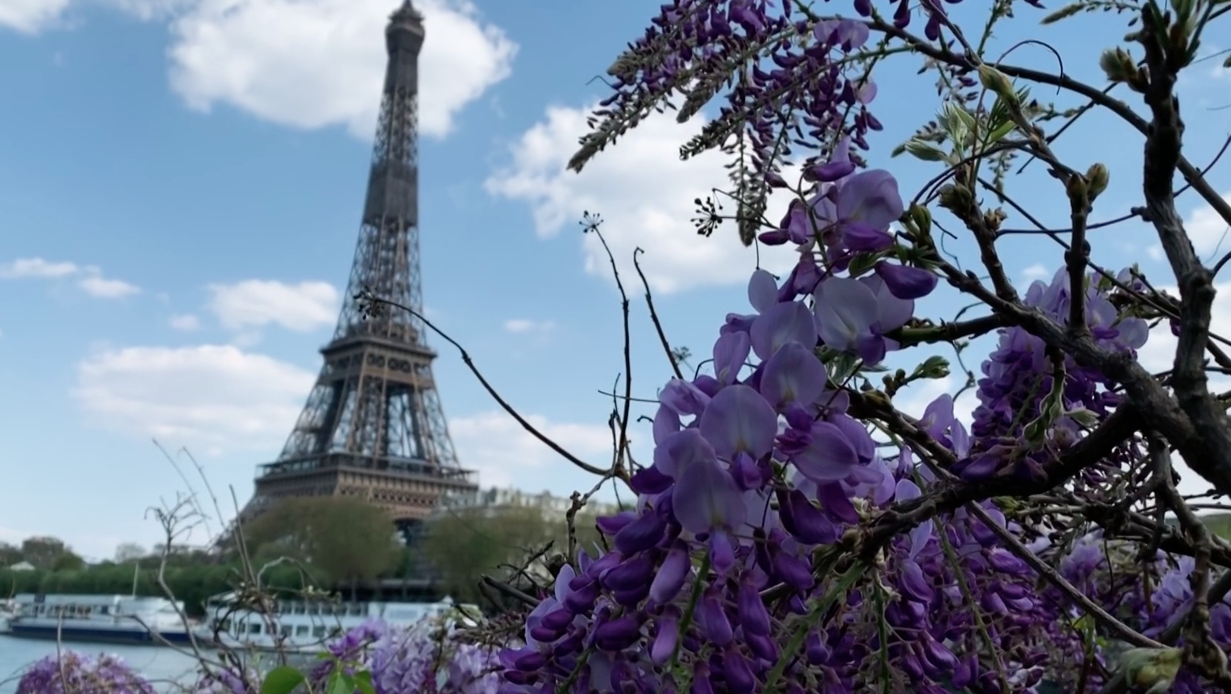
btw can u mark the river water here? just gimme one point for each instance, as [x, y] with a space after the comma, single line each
[164, 666]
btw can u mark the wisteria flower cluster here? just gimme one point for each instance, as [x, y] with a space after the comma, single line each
[423, 658]
[70, 672]
[794, 531]
[727, 570]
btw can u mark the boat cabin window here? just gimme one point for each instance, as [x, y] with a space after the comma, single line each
[318, 632]
[301, 630]
[254, 628]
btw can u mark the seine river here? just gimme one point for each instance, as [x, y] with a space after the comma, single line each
[160, 665]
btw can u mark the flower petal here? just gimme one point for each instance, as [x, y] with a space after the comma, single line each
[845, 310]
[738, 420]
[789, 321]
[871, 197]
[828, 457]
[906, 282]
[794, 375]
[730, 353]
[680, 450]
[762, 291]
[705, 497]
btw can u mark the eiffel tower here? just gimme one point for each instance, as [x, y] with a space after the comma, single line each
[373, 426]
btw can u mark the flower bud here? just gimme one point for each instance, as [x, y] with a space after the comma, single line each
[737, 672]
[713, 618]
[1078, 189]
[641, 533]
[1151, 669]
[922, 219]
[751, 609]
[956, 198]
[1118, 65]
[671, 575]
[618, 634]
[630, 574]
[996, 82]
[667, 638]
[1097, 178]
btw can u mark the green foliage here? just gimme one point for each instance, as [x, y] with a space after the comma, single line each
[129, 551]
[1219, 524]
[9, 554]
[49, 553]
[67, 562]
[466, 544]
[346, 539]
[282, 680]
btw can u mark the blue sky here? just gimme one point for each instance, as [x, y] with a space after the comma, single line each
[180, 183]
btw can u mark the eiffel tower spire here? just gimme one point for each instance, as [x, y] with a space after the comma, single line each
[373, 426]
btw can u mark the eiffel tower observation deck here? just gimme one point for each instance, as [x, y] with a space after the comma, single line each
[373, 426]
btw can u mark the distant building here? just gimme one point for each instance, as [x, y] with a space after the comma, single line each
[495, 500]
[22, 566]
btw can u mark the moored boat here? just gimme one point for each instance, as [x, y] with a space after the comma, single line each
[98, 619]
[306, 626]
[7, 610]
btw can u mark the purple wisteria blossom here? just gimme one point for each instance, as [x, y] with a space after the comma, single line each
[70, 672]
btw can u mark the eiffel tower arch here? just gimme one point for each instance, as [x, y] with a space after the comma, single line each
[373, 426]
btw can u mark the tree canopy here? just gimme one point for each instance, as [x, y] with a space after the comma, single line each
[46, 552]
[347, 539]
[463, 545]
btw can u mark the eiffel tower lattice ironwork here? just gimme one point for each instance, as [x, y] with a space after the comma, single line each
[373, 426]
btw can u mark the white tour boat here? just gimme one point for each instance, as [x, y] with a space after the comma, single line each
[307, 626]
[7, 609]
[98, 619]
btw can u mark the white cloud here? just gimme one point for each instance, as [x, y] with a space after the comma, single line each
[91, 279]
[146, 10]
[1207, 231]
[1037, 271]
[185, 322]
[314, 63]
[645, 195]
[255, 303]
[519, 326]
[505, 454]
[206, 397]
[101, 287]
[30, 16]
[23, 268]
